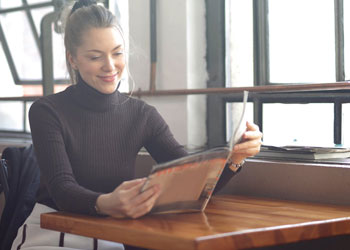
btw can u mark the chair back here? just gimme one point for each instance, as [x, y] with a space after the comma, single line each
[4, 186]
[21, 178]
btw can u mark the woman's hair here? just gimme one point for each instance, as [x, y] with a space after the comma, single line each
[85, 15]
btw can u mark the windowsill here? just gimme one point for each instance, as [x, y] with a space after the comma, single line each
[322, 162]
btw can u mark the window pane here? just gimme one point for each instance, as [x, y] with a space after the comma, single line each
[302, 41]
[11, 113]
[59, 60]
[239, 45]
[346, 124]
[307, 124]
[121, 9]
[24, 50]
[7, 86]
[27, 128]
[5, 4]
[233, 114]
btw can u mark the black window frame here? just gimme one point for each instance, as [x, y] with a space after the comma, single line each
[216, 104]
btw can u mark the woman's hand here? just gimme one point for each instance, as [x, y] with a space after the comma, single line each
[250, 144]
[127, 200]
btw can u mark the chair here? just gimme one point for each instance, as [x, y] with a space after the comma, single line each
[20, 178]
[4, 186]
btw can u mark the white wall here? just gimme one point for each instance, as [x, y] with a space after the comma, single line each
[178, 65]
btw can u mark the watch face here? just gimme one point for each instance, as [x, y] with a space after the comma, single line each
[236, 167]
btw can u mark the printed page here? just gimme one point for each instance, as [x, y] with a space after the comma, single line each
[187, 183]
[241, 127]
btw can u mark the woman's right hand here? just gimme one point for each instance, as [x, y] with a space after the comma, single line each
[127, 200]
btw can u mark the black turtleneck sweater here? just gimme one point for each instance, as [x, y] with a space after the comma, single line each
[86, 144]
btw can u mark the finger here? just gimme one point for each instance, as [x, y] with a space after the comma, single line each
[252, 135]
[252, 126]
[132, 183]
[133, 190]
[144, 196]
[246, 145]
[146, 206]
[250, 151]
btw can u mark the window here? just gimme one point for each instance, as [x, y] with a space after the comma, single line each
[293, 42]
[310, 128]
[20, 57]
[301, 41]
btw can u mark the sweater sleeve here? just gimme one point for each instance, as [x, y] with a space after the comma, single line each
[160, 142]
[53, 161]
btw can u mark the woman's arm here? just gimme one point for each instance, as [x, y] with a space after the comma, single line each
[53, 161]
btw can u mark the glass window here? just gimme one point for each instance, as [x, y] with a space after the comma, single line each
[302, 41]
[239, 34]
[28, 105]
[4, 4]
[10, 122]
[27, 59]
[23, 48]
[346, 124]
[307, 124]
[121, 9]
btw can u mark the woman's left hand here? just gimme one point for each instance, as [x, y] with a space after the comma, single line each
[250, 144]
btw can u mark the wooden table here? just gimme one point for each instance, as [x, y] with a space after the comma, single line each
[229, 222]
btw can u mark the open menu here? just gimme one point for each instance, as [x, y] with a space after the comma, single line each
[187, 183]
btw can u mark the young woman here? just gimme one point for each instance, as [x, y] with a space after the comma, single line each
[87, 137]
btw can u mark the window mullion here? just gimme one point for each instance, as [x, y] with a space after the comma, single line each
[261, 43]
[337, 122]
[339, 39]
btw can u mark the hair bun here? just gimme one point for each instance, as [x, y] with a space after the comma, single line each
[82, 3]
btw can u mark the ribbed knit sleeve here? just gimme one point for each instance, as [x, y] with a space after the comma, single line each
[160, 142]
[67, 194]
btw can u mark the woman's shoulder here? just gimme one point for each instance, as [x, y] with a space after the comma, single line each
[135, 102]
[52, 100]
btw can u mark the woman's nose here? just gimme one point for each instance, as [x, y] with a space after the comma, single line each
[109, 65]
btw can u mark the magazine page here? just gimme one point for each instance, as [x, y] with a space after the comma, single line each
[187, 183]
[241, 126]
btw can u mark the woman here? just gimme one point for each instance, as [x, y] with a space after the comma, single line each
[87, 137]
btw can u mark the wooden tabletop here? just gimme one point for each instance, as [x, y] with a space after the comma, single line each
[229, 222]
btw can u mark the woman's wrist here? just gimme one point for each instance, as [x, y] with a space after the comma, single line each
[99, 206]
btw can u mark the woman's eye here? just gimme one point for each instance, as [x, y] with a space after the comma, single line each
[94, 58]
[118, 53]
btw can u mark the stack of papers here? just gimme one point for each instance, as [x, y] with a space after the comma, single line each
[303, 152]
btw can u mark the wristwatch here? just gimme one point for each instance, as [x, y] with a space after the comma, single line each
[235, 167]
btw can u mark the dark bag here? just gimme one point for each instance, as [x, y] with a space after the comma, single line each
[23, 180]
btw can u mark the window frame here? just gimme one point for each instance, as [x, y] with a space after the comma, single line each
[216, 104]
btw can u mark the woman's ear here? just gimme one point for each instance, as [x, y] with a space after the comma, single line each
[71, 61]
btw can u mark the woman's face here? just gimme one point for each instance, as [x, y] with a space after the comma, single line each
[100, 59]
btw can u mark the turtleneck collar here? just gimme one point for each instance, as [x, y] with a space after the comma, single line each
[92, 99]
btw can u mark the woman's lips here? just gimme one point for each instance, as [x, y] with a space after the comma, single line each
[108, 78]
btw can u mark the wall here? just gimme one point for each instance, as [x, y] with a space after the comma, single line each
[293, 181]
[178, 65]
